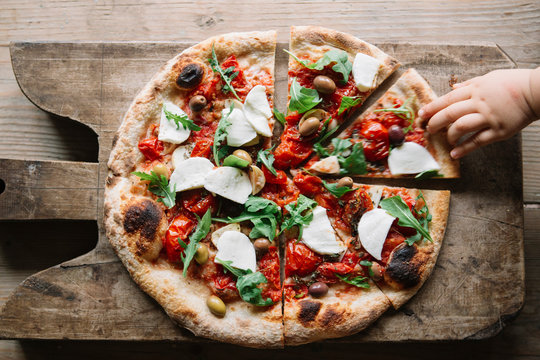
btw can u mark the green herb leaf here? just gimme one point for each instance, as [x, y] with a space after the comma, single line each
[183, 120]
[355, 163]
[428, 174]
[395, 206]
[227, 265]
[300, 214]
[235, 161]
[359, 281]
[159, 186]
[227, 75]
[202, 229]
[424, 220]
[302, 99]
[348, 102]
[335, 190]
[340, 59]
[368, 264]
[405, 111]
[221, 134]
[279, 116]
[267, 159]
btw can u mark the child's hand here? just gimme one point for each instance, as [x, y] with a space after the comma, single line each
[492, 107]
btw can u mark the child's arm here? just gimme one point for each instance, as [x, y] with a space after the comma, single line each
[492, 107]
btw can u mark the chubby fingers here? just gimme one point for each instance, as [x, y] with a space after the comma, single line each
[450, 114]
[466, 124]
[454, 96]
[481, 138]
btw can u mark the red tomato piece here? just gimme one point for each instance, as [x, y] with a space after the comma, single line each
[224, 280]
[295, 291]
[376, 143]
[280, 194]
[281, 177]
[203, 148]
[180, 228]
[327, 271]
[393, 239]
[198, 201]
[301, 260]
[308, 184]
[269, 267]
[292, 150]
[151, 148]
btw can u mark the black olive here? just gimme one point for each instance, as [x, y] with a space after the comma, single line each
[197, 103]
[190, 76]
[396, 135]
[318, 289]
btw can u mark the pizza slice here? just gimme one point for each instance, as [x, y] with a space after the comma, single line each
[388, 140]
[330, 74]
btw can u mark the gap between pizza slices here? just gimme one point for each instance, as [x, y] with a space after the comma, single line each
[200, 203]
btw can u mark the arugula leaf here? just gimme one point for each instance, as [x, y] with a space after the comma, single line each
[425, 219]
[359, 281]
[302, 99]
[279, 116]
[428, 174]
[300, 214]
[348, 102]
[202, 229]
[247, 284]
[235, 161]
[405, 111]
[335, 190]
[368, 264]
[264, 214]
[395, 206]
[159, 186]
[227, 75]
[183, 120]
[221, 134]
[339, 57]
[355, 163]
[267, 158]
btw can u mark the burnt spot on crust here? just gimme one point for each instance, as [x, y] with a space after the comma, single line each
[112, 181]
[308, 310]
[332, 316]
[143, 217]
[403, 267]
[115, 139]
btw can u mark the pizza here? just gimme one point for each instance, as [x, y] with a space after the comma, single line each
[229, 225]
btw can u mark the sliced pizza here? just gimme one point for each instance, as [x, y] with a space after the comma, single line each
[330, 74]
[388, 139]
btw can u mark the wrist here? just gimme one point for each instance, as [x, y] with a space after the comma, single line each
[534, 93]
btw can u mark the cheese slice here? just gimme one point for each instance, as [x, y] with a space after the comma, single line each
[411, 158]
[240, 132]
[375, 193]
[217, 234]
[236, 247]
[365, 69]
[319, 235]
[329, 165]
[373, 228]
[167, 128]
[180, 154]
[257, 110]
[190, 174]
[229, 182]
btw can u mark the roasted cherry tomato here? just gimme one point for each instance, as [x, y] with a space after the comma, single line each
[308, 184]
[281, 177]
[197, 201]
[393, 239]
[239, 82]
[151, 148]
[203, 148]
[292, 151]
[376, 143]
[301, 260]
[223, 281]
[327, 271]
[280, 194]
[180, 228]
[295, 291]
[269, 267]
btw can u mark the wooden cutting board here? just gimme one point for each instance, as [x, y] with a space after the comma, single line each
[477, 284]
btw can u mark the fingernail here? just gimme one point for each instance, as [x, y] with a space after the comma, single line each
[454, 154]
[421, 113]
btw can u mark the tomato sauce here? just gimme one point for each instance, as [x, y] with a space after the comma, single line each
[269, 266]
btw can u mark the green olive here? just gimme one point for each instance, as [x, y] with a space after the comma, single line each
[309, 126]
[345, 182]
[242, 154]
[216, 306]
[161, 169]
[324, 84]
[257, 179]
[201, 255]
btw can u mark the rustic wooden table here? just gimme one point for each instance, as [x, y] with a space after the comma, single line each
[28, 133]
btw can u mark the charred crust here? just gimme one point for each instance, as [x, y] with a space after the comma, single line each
[402, 267]
[143, 217]
[112, 181]
[332, 317]
[308, 310]
[115, 140]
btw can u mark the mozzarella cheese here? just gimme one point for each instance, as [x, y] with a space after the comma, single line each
[329, 165]
[365, 69]
[167, 128]
[217, 234]
[257, 110]
[375, 193]
[373, 228]
[319, 235]
[229, 182]
[411, 158]
[236, 247]
[240, 132]
[180, 154]
[190, 174]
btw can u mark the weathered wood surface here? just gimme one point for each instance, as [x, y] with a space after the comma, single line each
[478, 282]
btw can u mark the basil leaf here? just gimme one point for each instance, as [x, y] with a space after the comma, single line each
[203, 227]
[221, 134]
[302, 99]
[183, 120]
[267, 158]
[279, 116]
[359, 281]
[335, 190]
[340, 59]
[226, 75]
[395, 206]
[300, 214]
[159, 186]
[348, 102]
[235, 161]
[340, 145]
[428, 174]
